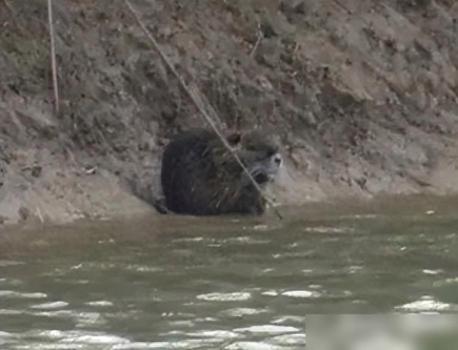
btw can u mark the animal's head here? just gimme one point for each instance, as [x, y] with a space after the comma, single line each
[260, 154]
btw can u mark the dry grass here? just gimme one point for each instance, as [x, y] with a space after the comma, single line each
[53, 58]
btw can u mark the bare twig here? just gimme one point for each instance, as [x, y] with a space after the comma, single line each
[197, 102]
[203, 101]
[38, 212]
[343, 7]
[53, 58]
[8, 5]
[260, 36]
[255, 47]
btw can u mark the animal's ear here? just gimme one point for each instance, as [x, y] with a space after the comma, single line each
[234, 138]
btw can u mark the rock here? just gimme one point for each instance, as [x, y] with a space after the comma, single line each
[24, 213]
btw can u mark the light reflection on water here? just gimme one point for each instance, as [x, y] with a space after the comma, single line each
[221, 283]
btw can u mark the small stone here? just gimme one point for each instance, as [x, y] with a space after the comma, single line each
[267, 29]
[90, 170]
[36, 171]
[24, 213]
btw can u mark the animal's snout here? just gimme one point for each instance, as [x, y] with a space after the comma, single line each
[277, 159]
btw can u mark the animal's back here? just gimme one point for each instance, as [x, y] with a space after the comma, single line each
[184, 162]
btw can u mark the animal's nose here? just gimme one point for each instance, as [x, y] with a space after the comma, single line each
[277, 159]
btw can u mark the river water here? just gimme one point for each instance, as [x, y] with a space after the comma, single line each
[227, 282]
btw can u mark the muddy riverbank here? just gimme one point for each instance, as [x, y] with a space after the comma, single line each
[363, 96]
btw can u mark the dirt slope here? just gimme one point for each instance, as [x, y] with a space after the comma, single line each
[363, 95]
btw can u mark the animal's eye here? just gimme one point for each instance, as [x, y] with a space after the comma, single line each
[271, 152]
[234, 139]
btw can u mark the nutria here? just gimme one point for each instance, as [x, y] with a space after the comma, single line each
[200, 176]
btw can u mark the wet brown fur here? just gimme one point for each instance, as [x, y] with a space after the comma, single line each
[201, 177]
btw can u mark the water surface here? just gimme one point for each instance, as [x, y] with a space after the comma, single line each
[227, 282]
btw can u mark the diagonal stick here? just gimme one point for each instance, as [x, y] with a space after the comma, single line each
[53, 58]
[196, 102]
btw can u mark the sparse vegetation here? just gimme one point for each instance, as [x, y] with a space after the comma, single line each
[364, 97]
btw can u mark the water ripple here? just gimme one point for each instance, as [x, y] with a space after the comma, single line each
[268, 329]
[238, 296]
[242, 312]
[8, 263]
[50, 306]
[301, 294]
[19, 295]
[100, 303]
[425, 304]
[252, 346]
[290, 339]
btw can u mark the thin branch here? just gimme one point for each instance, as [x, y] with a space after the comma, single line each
[255, 47]
[8, 5]
[343, 7]
[38, 212]
[260, 36]
[196, 101]
[53, 58]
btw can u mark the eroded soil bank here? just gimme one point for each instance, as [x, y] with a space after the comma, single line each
[362, 94]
